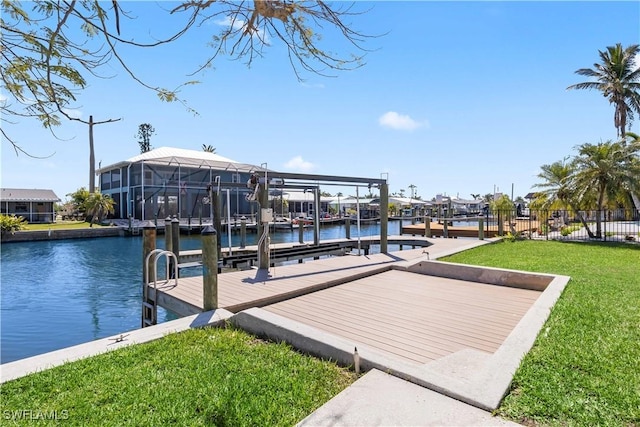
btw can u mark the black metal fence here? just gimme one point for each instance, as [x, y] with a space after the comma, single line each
[619, 225]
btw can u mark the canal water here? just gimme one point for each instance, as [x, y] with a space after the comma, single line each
[60, 293]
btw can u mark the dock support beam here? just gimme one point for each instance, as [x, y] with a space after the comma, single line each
[148, 246]
[168, 240]
[384, 217]
[300, 230]
[316, 216]
[243, 232]
[209, 268]
[263, 227]
[347, 227]
[427, 226]
[175, 236]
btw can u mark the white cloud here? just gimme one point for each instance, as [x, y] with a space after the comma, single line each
[298, 164]
[393, 120]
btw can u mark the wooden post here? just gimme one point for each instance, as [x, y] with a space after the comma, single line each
[347, 226]
[243, 232]
[168, 242]
[480, 228]
[427, 226]
[209, 268]
[384, 217]
[500, 224]
[300, 231]
[175, 239]
[445, 226]
[218, 223]
[148, 246]
[316, 216]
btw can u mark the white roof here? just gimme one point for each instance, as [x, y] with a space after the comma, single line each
[187, 158]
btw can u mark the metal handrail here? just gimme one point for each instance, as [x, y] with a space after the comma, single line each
[145, 294]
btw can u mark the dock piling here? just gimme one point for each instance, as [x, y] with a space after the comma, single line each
[347, 227]
[209, 268]
[427, 226]
[168, 240]
[300, 231]
[148, 246]
[243, 232]
[175, 237]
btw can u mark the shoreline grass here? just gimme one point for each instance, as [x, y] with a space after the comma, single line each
[209, 376]
[584, 368]
[60, 225]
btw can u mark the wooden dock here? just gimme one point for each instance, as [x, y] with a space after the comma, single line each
[413, 316]
[292, 251]
[490, 230]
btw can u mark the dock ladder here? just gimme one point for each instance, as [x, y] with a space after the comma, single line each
[150, 302]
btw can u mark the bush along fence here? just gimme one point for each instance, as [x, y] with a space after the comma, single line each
[606, 225]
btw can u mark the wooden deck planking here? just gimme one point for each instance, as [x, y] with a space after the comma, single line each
[242, 289]
[414, 314]
[416, 328]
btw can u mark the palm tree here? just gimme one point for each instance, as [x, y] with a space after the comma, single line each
[208, 148]
[556, 192]
[606, 171]
[618, 82]
[98, 205]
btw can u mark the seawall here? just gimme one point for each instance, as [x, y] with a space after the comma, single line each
[83, 233]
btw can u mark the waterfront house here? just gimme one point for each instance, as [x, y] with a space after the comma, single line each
[34, 205]
[170, 181]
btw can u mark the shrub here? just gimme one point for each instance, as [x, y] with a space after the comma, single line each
[11, 223]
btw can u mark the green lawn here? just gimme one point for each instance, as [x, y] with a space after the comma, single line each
[584, 369]
[221, 377]
[60, 225]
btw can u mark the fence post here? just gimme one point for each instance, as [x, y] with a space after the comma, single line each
[209, 268]
[480, 227]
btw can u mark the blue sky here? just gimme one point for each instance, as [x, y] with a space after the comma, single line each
[455, 98]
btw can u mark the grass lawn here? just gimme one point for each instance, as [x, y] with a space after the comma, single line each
[584, 369]
[221, 377]
[60, 225]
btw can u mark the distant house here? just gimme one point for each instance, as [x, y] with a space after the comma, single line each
[33, 205]
[171, 181]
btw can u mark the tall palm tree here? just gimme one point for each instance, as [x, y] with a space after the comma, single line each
[98, 205]
[618, 81]
[208, 148]
[606, 170]
[555, 191]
